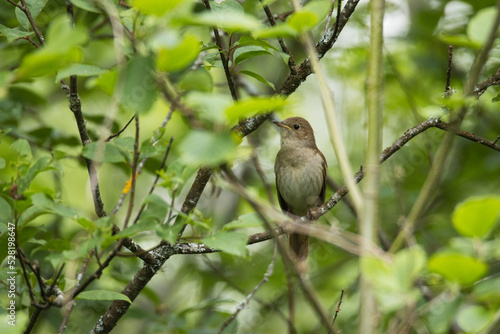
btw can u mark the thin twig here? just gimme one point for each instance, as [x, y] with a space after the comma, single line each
[246, 301]
[224, 59]
[71, 302]
[27, 12]
[25, 274]
[30, 40]
[448, 71]
[336, 31]
[15, 4]
[119, 132]
[189, 114]
[156, 179]
[491, 81]
[470, 136]
[329, 17]
[338, 307]
[281, 40]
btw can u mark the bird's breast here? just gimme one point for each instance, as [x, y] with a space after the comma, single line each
[300, 178]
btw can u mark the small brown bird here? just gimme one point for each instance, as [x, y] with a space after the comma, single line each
[300, 170]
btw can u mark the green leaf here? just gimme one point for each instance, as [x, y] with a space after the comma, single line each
[29, 214]
[248, 220]
[229, 242]
[169, 233]
[207, 148]
[480, 25]
[394, 282]
[279, 30]
[259, 78]
[459, 268]
[459, 40]
[197, 80]
[103, 152]
[175, 54]
[26, 93]
[41, 201]
[45, 61]
[22, 148]
[141, 226]
[229, 20]
[320, 8]
[302, 21]
[102, 295]
[6, 213]
[488, 290]
[61, 50]
[210, 107]
[26, 234]
[156, 209]
[476, 216]
[89, 225]
[2, 163]
[13, 34]
[247, 40]
[176, 175]
[254, 105]
[80, 70]
[39, 166]
[155, 7]
[106, 82]
[139, 91]
[408, 264]
[246, 52]
[87, 5]
[62, 36]
[225, 6]
[474, 318]
[35, 7]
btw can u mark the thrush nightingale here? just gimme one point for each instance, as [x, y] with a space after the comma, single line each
[300, 170]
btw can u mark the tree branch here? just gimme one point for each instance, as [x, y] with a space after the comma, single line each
[27, 12]
[491, 81]
[281, 40]
[439, 163]
[246, 301]
[225, 61]
[293, 81]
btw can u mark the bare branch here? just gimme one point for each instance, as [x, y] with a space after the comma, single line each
[27, 12]
[224, 59]
[119, 132]
[491, 81]
[246, 301]
[448, 72]
[338, 307]
[293, 81]
[281, 40]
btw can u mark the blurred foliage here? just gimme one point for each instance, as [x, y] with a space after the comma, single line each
[129, 56]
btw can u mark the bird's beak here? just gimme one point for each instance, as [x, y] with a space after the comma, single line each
[281, 125]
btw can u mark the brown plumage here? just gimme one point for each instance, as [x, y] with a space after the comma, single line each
[300, 170]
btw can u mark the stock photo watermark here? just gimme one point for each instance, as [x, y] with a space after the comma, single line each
[11, 272]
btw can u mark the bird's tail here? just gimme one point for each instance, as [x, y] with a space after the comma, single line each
[299, 244]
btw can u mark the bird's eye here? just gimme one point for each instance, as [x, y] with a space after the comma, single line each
[296, 126]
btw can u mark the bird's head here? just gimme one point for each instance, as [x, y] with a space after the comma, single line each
[296, 131]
